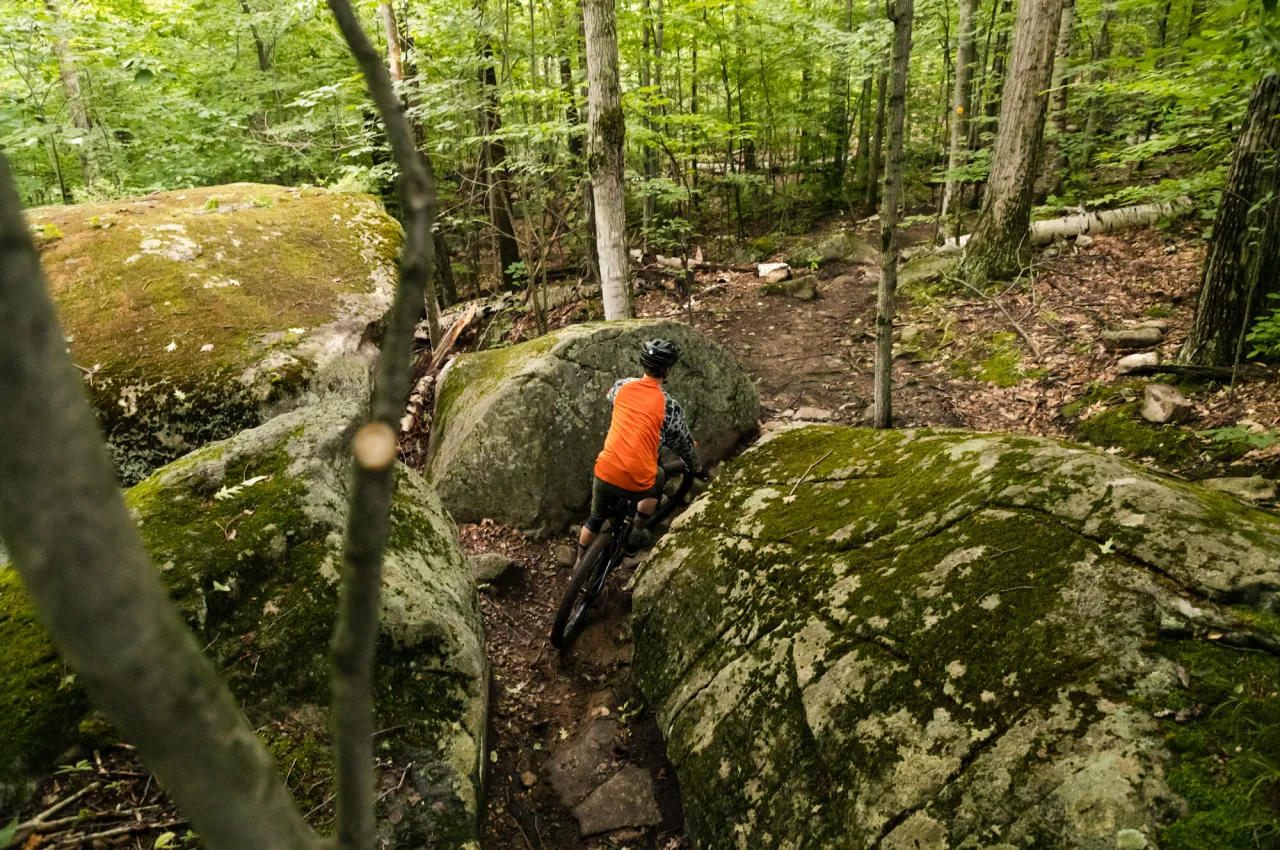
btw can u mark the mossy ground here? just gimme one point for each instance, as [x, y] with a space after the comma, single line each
[1001, 362]
[1120, 425]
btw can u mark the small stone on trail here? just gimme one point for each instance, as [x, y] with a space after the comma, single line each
[1084, 241]
[769, 272]
[814, 414]
[626, 800]
[576, 766]
[528, 779]
[1254, 489]
[801, 288]
[1127, 338]
[490, 566]
[1134, 362]
[566, 556]
[845, 280]
[1162, 403]
[909, 334]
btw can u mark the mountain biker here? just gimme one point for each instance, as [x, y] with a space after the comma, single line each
[645, 419]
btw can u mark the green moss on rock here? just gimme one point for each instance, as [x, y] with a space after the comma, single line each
[516, 430]
[921, 639]
[247, 536]
[191, 318]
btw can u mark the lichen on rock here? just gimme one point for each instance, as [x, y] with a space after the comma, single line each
[247, 536]
[516, 430]
[917, 639]
[195, 314]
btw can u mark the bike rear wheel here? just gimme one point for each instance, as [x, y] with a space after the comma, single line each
[582, 594]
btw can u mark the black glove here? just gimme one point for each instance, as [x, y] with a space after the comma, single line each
[703, 474]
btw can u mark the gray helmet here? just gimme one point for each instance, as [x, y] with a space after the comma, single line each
[659, 355]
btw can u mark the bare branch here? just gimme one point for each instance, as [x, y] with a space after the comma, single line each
[375, 447]
[64, 520]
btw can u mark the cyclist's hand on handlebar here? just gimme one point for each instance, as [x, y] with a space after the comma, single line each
[703, 474]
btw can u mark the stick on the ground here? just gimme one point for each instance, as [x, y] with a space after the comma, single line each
[1016, 325]
[375, 445]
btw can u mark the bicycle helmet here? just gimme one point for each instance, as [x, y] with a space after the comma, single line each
[658, 356]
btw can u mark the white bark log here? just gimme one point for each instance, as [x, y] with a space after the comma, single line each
[1105, 221]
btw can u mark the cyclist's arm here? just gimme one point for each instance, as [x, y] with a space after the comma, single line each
[676, 435]
[619, 385]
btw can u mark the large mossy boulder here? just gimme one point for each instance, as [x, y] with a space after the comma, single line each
[517, 430]
[247, 535]
[196, 314]
[937, 640]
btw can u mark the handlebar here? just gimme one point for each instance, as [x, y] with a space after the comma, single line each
[666, 506]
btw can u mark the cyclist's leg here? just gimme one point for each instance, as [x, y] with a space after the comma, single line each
[640, 536]
[605, 499]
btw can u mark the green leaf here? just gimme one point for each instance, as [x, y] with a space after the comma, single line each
[143, 76]
[165, 839]
[1108, 547]
[217, 585]
[7, 833]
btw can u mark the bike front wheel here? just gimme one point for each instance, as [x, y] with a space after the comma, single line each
[581, 595]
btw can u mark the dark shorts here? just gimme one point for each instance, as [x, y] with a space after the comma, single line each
[608, 499]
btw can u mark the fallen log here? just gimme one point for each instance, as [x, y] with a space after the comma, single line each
[677, 264]
[1088, 223]
[1244, 372]
[418, 396]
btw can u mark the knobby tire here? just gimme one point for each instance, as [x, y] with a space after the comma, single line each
[574, 607]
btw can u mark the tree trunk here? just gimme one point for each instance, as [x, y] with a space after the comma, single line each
[864, 131]
[494, 151]
[395, 56]
[1001, 238]
[650, 161]
[877, 147]
[1243, 263]
[606, 132]
[901, 13]
[1101, 53]
[577, 147]
[965, 57]
[1056, 160]
[444, 270]
[264, 55]
[998, 64]
[839, 122]
[76, 109]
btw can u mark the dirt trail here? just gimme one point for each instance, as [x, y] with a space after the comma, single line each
[542, 705]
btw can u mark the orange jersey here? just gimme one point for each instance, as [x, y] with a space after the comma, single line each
[645, 419]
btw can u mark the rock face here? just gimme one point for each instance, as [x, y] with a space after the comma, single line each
[517, 430]
[196, 314]
[247, 534]
[937, 640]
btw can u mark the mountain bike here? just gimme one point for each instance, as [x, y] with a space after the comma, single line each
[605, 554]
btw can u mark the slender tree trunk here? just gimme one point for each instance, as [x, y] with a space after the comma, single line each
[1001, 238]
[1243, 263]
[999, 61]
[901, 13]
[841, 127]
[265, 62]
[76, 108]
[1056, 159]
[965, 56]
[577, 147]
[1101, 53]
[864, 131]
[606, 132]
[395, 55]
[494, 151]
[877, 146]
[650, 163]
